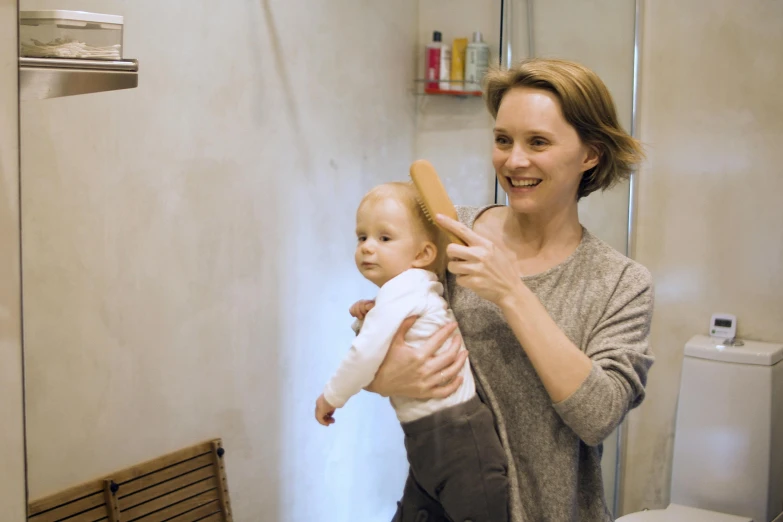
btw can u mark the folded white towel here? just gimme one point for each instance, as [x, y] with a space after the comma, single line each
[67, 48]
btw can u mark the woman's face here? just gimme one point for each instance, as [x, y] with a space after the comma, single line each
[538, 157]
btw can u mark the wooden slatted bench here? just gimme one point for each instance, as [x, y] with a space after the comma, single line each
[188, 485]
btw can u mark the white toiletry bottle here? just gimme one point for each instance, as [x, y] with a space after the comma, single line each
[444, 73]
[476, 62]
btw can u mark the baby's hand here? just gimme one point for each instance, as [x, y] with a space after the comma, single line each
[324, 411]
[360, 308]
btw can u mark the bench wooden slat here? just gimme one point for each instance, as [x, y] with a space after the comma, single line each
[91, 515]
[174, 497]
[154, 478]
[160, 490]
[199, 514]
[212, 518]
[182, 506]
[150, 466]
[83, 496]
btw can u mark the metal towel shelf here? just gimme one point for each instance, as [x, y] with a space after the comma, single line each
[41, 78]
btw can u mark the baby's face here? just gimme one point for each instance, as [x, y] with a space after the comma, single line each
[387, 240]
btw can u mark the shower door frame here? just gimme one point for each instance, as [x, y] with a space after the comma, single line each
[506, 58]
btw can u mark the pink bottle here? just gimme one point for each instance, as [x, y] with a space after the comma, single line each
[436, 60]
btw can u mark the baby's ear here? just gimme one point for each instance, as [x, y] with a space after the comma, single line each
[426, 256]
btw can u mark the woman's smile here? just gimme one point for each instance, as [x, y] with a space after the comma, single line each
[522, 185]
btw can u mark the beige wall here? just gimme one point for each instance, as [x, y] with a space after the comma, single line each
[710, 219]
[12, 492]
[188, 250]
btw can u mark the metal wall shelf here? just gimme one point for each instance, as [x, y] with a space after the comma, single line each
[459, 89]
[41, 78]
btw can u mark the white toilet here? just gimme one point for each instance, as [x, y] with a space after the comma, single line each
[728, 442]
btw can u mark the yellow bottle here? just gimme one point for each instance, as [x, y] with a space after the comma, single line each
[458, 63]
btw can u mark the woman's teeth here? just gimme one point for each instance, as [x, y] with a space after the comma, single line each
[524, 182]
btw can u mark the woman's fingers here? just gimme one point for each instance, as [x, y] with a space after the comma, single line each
[441, 392]
[399, 337]
[445, 367]
[446, 358]
[460, 252]
[458, 267]
[466, 273]
[420, 373]
[397, 371]
[437, 339]
[460, 230]
[450, 378]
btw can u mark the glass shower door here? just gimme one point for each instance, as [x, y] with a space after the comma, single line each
[602, 35]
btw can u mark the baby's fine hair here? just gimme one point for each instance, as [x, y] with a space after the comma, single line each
[405, 193]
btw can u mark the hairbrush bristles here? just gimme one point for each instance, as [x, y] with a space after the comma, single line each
[433, 197]
[424, 209]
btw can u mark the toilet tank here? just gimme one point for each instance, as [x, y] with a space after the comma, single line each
[728, 442]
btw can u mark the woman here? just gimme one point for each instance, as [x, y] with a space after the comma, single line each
[556, 321]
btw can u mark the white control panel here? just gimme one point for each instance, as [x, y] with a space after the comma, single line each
[723, 326]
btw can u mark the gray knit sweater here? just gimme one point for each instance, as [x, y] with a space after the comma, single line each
[603, 302]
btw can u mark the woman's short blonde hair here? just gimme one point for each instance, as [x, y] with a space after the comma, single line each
[587, 106]
[405, 194]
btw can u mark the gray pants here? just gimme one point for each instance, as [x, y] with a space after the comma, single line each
[458, 469]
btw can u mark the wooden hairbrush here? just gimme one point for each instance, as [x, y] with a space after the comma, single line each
[433, 197]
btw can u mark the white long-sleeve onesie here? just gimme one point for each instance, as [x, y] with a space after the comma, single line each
[413, 292]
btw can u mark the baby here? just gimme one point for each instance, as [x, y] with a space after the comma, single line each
[453, 449]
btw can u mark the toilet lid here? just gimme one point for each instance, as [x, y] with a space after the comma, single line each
[678, 513]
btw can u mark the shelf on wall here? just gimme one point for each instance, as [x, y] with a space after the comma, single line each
[450, 92]
[455, 88]
[42, 78]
